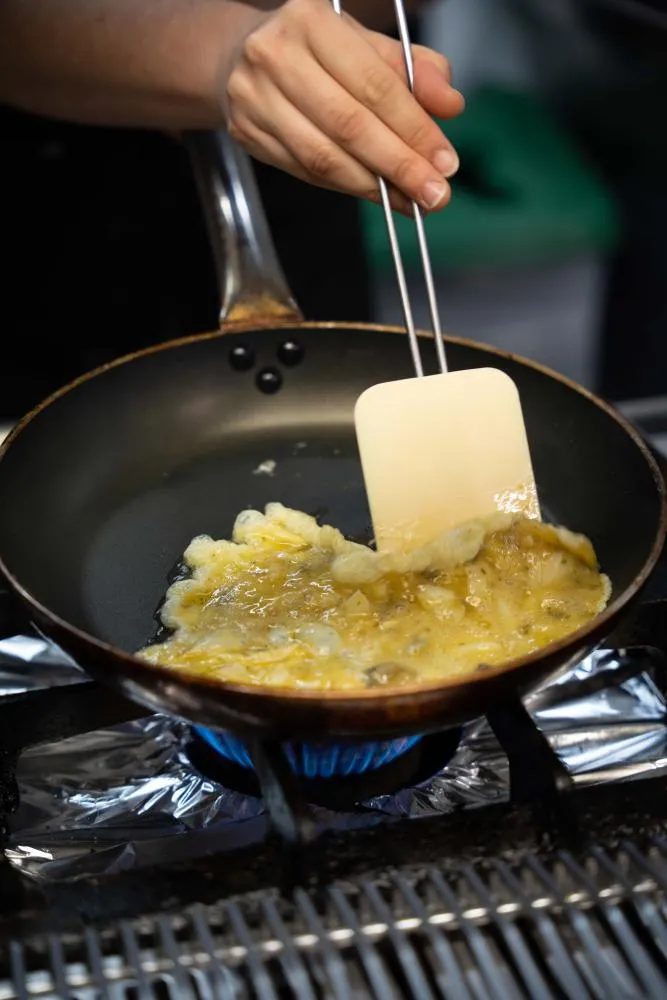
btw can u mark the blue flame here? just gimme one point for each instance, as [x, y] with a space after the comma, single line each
[314, 760]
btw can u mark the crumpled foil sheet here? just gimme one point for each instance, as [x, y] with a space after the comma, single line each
[123, 797]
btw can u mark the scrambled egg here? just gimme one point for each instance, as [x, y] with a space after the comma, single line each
[291, 604]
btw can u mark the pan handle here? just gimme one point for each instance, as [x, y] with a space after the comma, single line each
[253, 287]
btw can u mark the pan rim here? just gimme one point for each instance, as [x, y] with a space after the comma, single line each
[342, 699]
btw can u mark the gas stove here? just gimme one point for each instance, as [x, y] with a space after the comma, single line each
[525, 855]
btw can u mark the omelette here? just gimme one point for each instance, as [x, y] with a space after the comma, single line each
[289, 603]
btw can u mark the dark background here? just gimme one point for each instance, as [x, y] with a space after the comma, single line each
[105, 250]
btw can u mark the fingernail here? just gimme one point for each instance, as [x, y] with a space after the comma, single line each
[446, 162]
[432, 193]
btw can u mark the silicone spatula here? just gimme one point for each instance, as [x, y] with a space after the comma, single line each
[440, 450]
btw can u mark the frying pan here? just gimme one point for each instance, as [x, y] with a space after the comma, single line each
[103, 485]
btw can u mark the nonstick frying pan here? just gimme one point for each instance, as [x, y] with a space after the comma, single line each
[104, 484]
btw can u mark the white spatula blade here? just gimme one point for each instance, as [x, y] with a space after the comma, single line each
[440, 450]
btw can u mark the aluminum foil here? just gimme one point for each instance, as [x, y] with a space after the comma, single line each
[127, 796]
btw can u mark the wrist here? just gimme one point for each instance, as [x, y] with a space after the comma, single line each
[221, 32]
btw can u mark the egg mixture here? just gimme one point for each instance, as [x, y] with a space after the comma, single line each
[292, 604]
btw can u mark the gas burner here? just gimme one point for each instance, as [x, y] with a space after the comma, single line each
[415, 764]
[313, 760]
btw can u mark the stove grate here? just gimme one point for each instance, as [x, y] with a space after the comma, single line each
[593, 927]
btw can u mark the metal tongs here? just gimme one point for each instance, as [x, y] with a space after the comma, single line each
[419, 223]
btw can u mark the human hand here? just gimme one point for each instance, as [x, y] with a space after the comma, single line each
[325, 99]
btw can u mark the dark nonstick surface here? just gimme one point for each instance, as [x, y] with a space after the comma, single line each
[103, 488]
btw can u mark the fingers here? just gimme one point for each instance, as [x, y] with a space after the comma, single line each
[287, 140]
[352, 129]
[316, 155]
[432, 73]
[327, 101]
[392, 52]
[367, 113]
[360, 70]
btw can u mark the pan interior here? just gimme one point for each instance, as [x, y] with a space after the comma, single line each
[307, 469]
[103, 489]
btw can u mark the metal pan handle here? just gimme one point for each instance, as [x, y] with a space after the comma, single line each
[252, 284]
